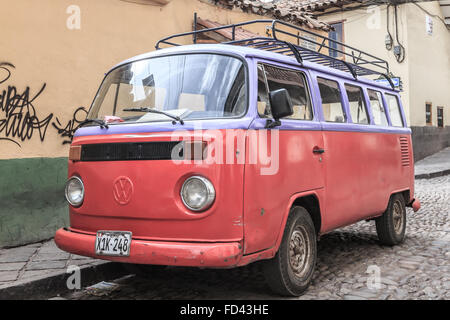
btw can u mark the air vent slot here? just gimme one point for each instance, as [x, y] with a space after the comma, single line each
[130, 151]
[404, 150]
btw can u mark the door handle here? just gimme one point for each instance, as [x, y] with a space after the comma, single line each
[318, 150]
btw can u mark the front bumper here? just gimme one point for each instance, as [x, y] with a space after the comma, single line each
[187, 254]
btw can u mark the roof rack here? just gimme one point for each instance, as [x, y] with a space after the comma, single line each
[355, 61]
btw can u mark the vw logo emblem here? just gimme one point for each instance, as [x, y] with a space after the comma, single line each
[122, 190]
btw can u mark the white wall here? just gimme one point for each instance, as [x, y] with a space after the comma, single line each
[425, 71]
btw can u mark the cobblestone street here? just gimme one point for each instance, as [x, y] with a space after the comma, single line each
[417, 269]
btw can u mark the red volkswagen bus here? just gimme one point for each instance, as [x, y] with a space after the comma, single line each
[220, 155]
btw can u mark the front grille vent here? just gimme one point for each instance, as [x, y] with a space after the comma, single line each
[131, 151]
[404, 150]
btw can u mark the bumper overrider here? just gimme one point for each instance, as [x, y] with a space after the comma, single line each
[188, 254]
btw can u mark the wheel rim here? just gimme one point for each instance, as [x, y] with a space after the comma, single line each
[299, 252]
[398, 217]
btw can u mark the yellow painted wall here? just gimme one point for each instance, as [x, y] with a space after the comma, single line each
[34, 37]
[425, 71]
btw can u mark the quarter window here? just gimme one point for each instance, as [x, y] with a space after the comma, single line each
[357, 103]
[263, 94]
[331, 101]
[378, 111]
[295, 83]
[394, 110]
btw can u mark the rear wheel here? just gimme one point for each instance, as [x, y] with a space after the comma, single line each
[391, 226]
[290, 272]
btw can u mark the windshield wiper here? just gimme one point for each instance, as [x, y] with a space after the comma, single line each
[149, 110]
[102, 123]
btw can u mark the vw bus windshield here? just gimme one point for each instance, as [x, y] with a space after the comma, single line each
[194, 86]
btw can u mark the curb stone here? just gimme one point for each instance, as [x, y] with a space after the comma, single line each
[49, 286]
[433, 175]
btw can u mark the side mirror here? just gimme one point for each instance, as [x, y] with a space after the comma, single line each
[281, 106]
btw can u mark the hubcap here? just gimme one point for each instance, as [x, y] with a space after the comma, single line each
[299, 252]
[398, 217]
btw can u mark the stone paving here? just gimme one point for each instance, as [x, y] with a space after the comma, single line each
[418, 269]
[36, 261]
[436, 164]
[348, 260]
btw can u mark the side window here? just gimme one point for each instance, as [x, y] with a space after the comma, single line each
[330, 93]
[263, 94]
[357, 103]
[394, 110]
[295, 83]
[378, 111]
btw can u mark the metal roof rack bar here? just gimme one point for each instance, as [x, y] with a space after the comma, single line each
[353, 60]
[191, 33]
[297, 53]
[389, 80]
[377, 61]
[324, 40]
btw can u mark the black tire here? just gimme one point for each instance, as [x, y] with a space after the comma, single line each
[143, 270]
[391, 226]
[280, 272]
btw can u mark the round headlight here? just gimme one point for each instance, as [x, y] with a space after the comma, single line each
[75, 191]
[197, 193]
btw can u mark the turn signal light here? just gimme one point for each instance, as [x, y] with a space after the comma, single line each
[75, 153]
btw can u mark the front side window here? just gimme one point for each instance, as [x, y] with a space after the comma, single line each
[378, 111]
[263, 94]
[332, 107]
[194, 86]
[357, 104]
[295, 83]
[394, 110]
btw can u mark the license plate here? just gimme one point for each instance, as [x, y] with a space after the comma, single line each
[113, 243]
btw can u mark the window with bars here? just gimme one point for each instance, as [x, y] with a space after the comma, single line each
[429, 114]
[440, 117]
[338, 35]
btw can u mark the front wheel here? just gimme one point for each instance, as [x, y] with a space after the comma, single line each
[391, 226]
[290, 272]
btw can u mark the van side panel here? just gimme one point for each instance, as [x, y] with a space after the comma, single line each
[362, 170]
[364, 164]
[267, 195]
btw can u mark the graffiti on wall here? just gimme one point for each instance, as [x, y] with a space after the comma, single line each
[18, 117]
[67, 131]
